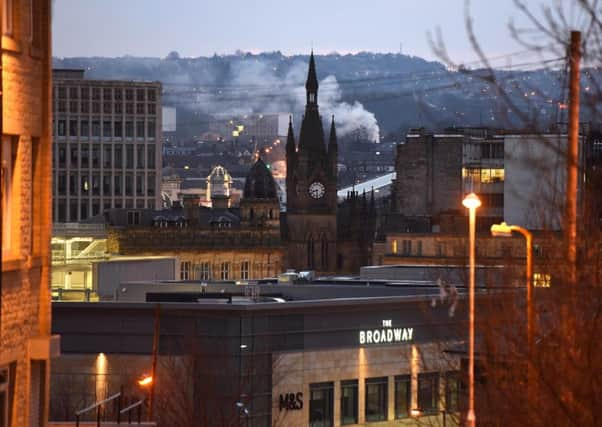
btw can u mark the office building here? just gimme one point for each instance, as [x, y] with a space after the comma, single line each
[107, 145]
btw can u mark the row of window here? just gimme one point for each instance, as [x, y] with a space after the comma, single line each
[483, 175]
[108, 93]
[72, 210]
[83, 156]
[202, 271]
[83, 107]
[376, 407]
[406, 248]
[110, 129]
[107, 185]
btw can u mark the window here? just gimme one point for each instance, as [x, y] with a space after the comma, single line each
[152, 95]
[129, 129]
[106, 129]
[492, 175]
[85, 105]
[62, 153]
[84, 156]
[428, 392]
[129, 108]
[140, 95]
[61, 131]
[73, 93]
[85, 93]
[73, 184]
[106, 185]
[140, 129]
[118, 108]
[7, 20]
[118, 129]
[10, 194]
[96, 185]
[376, 399]
[151, 129]
[118, 94]
[403, 396]
[95, 93]
[407, 247]
[150, 153]
[140, 156]
[452, 391]
[129, 185]
[83, 210]
[95, 128]
[203, 271]
[106, 107]
[7, 393]
[349, 402]
[73, 107]
[73, 157]
[106, 157]
[129, 156]
[139, 108]
[394, 246]
[62, 106]
[321, 397]
[84, 129]
[106, 94]
[244, 270]
[118, 156]
[139, 185]
[185, 270]
[419, 248]
[96, 156]
[150, 186]
[151, 109]
[129, 94]
[225, 271]
[133, 218]
[85, 184]
[62, 184]
[72, 127]
[117, 181]
[542, 280]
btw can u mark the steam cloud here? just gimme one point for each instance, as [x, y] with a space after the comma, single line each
[256, 87]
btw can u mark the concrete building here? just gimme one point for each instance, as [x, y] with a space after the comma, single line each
[26, 344]
[325, 353]
[107, 145]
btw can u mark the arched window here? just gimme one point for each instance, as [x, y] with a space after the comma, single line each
[310, 253]
[324, 253]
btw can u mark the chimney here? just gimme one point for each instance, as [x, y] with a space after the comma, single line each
[220, 201]
[191, 204]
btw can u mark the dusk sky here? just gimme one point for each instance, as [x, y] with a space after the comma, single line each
[201, 28]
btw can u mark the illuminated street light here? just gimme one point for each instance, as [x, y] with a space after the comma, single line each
[145, 381]
[505, 230]
[471, 202]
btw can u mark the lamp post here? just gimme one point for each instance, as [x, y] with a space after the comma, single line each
[505, 230]
[471, 202]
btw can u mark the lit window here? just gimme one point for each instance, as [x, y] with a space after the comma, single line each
[542, 280]
[184, 270]
[492, 175]
[244, 270]
[225, 270]
[394, 246]
[10, 195]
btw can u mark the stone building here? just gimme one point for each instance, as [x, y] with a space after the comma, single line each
[26, 344]
[107, 145]
[218, 243]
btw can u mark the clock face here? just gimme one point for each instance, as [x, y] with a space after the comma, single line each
[316, 190]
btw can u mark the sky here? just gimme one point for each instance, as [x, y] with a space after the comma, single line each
[153, 28]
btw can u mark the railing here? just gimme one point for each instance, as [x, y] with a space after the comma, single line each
[116, 397]
[98, 406]
[129, 410]
[76, 226]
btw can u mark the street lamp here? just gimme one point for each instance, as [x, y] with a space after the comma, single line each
[471, 202]
[505, 230]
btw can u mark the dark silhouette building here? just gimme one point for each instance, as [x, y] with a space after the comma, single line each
[311, 187]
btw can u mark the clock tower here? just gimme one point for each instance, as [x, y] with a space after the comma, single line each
[311, 188]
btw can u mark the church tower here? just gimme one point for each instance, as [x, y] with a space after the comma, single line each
[311, 188]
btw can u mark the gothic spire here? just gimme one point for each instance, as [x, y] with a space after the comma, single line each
[332, 142]
[311, 85]
[290, 138]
